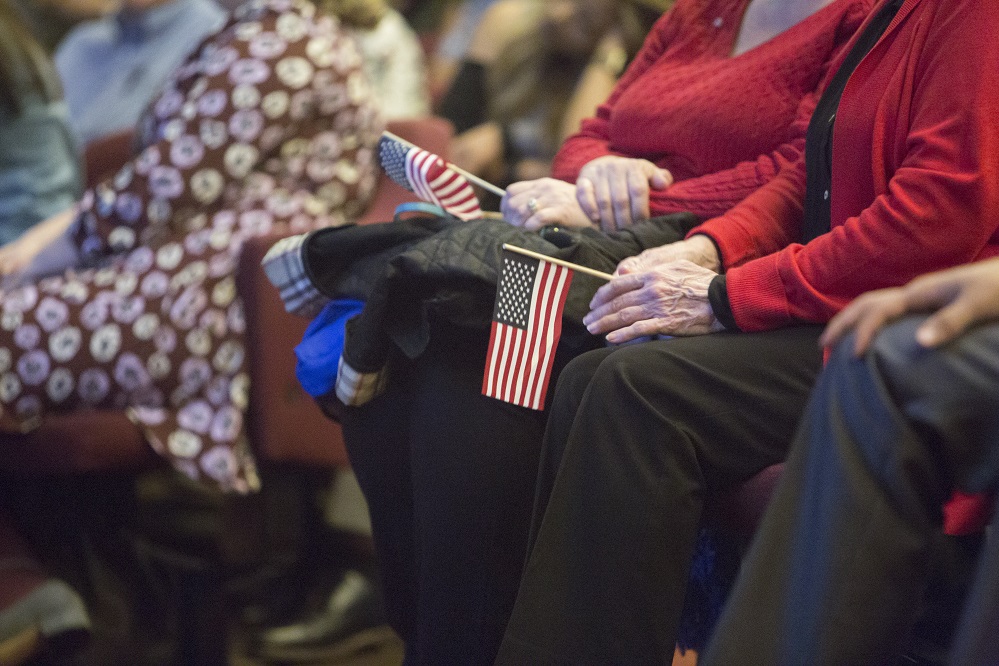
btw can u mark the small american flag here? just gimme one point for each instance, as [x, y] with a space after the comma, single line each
[527, 323]
[430, 177]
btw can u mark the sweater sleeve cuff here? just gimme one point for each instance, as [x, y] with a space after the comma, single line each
[730, 250]
[718, 298]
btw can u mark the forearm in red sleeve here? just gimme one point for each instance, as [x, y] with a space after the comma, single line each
[887, 245]
[939, 208]
[764, 222]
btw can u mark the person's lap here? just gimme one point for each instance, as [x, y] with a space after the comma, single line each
[853, 522]
[637, 435]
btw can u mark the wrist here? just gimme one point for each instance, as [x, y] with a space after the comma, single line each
[705, 252]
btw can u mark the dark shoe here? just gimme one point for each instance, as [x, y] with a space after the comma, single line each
[352, 620]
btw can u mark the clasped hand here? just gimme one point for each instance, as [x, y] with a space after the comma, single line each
[669, 299]
[614, 191]
[533, 204]
[611, 193]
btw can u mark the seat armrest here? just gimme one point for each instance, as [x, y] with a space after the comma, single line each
[283, 422]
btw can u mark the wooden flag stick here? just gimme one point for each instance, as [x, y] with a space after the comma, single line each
[558, 262]
[485, 184]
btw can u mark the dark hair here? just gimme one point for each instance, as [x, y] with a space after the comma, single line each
[25, 67]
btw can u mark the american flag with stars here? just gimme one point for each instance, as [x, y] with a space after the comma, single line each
[527, 323]
[430, 177]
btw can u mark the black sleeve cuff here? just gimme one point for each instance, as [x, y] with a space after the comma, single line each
[718, 298]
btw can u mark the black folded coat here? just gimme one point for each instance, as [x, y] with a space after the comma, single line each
[412, 271]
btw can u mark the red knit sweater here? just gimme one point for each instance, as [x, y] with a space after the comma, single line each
[722, 125]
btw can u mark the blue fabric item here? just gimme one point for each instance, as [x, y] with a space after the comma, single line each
[113, 67]
[419, 207]
[319, 351]
[712, 575]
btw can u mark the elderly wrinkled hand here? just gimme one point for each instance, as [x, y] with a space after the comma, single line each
[697, 249]
[671, 299]
[614, 191]
[959, 297]
[533, 204]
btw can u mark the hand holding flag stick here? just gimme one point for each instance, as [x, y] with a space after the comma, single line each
[558, 262]
[527, 324]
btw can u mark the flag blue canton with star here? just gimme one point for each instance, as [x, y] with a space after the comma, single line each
[393, 158]
[514, 298]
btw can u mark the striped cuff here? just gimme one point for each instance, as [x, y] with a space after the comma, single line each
[284, 265]
[355, 388]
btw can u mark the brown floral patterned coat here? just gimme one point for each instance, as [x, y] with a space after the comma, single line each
[266, 128]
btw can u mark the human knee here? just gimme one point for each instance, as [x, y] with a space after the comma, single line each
[636, 369]
[627, 381]
[946, 378]
[894, 349]
[576, 377]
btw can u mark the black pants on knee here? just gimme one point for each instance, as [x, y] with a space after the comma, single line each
[449, 476]
[636, 437]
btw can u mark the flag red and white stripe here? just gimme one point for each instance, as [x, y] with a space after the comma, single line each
[527, 324]
[430, 177]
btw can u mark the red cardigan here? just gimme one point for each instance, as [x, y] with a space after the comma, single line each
[722, 125]
[915, 176]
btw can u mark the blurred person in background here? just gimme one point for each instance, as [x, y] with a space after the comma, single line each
[39, 177]
[267, 128]
[393, 57]
[509, 99]
[457, 23]
[112, 67]
[344, 612]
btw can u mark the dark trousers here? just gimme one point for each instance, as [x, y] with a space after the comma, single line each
[449, 477]
[838, 566]
[637, 436]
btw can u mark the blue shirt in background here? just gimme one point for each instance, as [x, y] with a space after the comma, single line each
[39, 167]
[112, 68]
